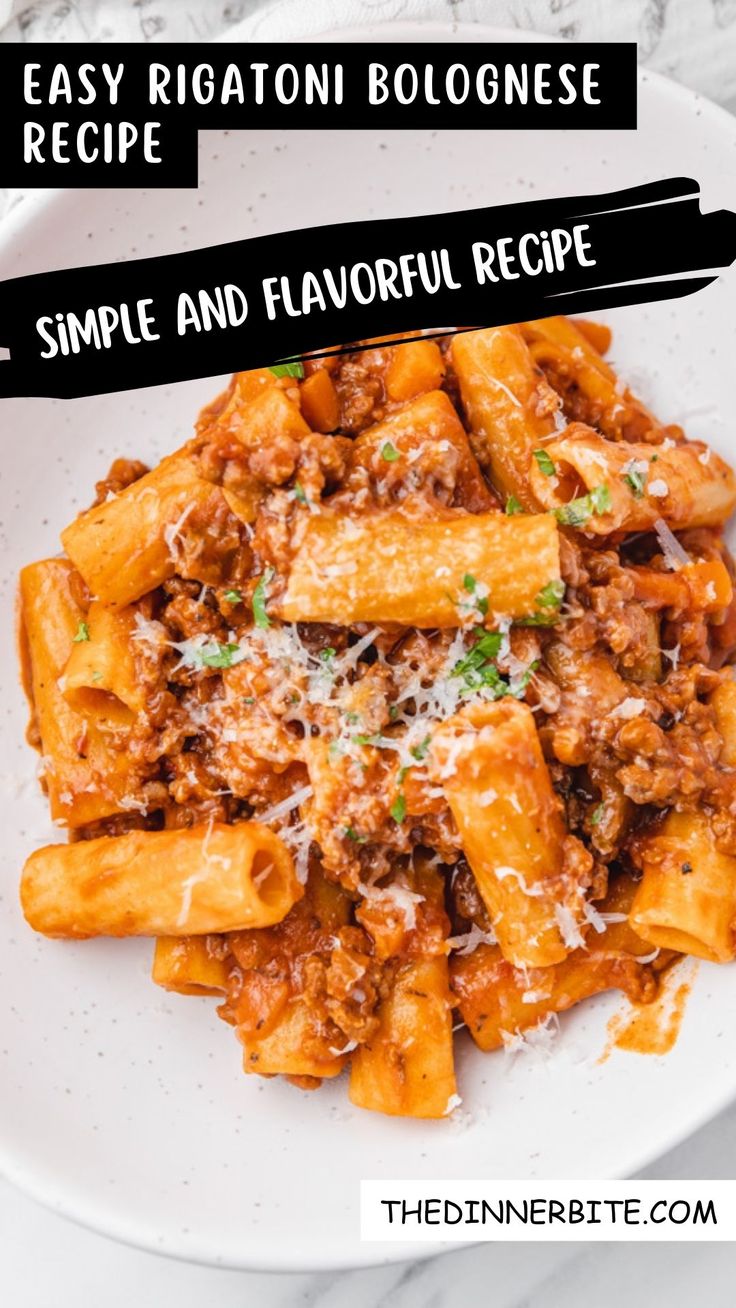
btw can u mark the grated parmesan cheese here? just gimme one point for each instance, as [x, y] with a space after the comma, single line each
[629, 708]
[569, 929]
[398, 896]
[674, 555]
[468, 943]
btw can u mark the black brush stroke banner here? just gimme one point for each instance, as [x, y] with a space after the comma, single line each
[649, 243]
[585, 85]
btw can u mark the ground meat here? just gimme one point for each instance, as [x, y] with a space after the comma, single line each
[123, 472]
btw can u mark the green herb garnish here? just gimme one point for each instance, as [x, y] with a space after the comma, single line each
[398, 809]
[218, 656]
[299, 493]
[389, 452]
[578, 512]
[233, 597]
[545, 463]
[259, 598]
[352, 834]
[548, 600]
[470, 585]
[513, 506]
[82, 633]
[597, 814]
[478, 668]
[420, 751]
[327, 653]
[292, 368]
[635, 481]
[551, 595]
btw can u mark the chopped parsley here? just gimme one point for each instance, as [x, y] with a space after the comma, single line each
[82, 633]
[389, 452]
[299, 493]
[292, 368]
[249, 699]
[635, 481]
[471, 586]
[327, 653]
[478, 669]
[259, 598]
[548, 600]
[218, 656]
[420, 751]
[398, 809]
[233, 597]
[578, 512]
[551, 595]
[393, 712]
[545, 463]
[513, 506]
[352, 834]
[597, 814]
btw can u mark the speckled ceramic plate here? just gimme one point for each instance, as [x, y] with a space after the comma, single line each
[125, 1107]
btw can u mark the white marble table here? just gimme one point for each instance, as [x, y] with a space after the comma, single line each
[46, 1262]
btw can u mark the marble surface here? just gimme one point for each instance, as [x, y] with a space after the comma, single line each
[46, 1262]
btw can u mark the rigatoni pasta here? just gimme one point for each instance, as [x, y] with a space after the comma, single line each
[398, 699]
[197, 880]
[386, 568]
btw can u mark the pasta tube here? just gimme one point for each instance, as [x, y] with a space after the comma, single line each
[278, 1010]
[497, 1001]
[191, 965]
[489, 761]
[101, 678]
[570, 353]
[687, 895]
[406, 1069]
[388, 568]
[126, 546]
[684, 485]
[510, 407]
[723, 701]
[85, 776]
[294, 1047]
[190, 881]
[391, 448]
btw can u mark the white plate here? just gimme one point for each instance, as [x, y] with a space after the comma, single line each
[125, 1107]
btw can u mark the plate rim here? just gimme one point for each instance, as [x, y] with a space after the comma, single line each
[31, 1180]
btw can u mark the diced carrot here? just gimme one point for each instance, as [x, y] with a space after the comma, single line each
[320, 404]
[415, 368]
[710, 585]
[705, 585]
[596, 333]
